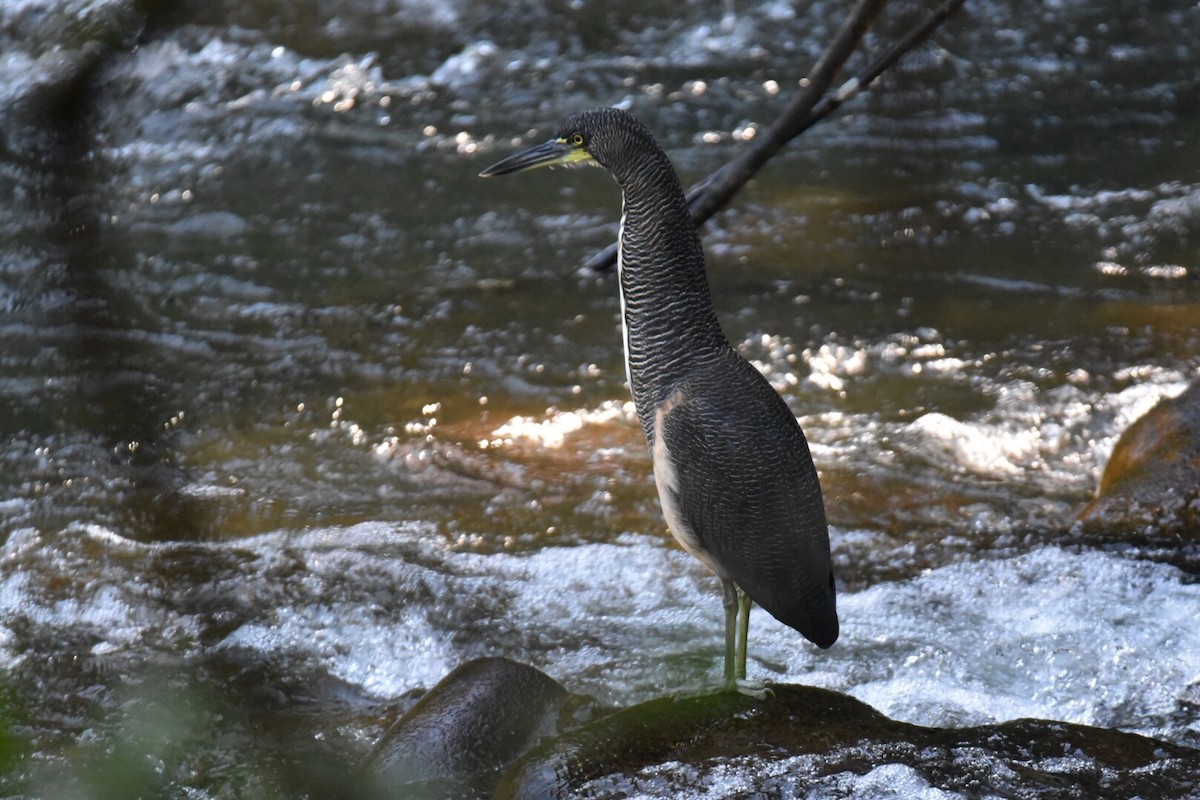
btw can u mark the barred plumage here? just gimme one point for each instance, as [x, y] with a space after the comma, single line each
[734, 474]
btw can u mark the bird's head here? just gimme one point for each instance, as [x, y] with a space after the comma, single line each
[605, 137]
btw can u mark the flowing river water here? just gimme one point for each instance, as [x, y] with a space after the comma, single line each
[299, 413]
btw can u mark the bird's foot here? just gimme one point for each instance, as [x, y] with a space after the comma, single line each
[743, 686]
[750, 688]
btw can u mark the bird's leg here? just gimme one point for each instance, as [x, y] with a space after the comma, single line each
[750, 688]
[743, 631]
[737, 626]
[729, 595]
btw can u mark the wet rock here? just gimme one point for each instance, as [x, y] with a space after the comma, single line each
[479, 718]
[1152, 480]
[803, 738]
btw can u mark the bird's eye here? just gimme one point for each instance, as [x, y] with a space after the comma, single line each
[577, 139]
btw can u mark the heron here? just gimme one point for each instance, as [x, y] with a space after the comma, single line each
[734, 474]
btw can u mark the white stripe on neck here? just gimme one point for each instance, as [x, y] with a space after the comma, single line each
[621, 292]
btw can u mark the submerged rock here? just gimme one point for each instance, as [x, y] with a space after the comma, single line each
[474, 721]
[804, 739]
[1151, 483]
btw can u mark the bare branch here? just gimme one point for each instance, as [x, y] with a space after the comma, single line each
[715, 191]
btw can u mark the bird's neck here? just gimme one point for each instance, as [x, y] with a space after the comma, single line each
[669, 320]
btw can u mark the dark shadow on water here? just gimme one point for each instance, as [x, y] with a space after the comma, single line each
[117, 396]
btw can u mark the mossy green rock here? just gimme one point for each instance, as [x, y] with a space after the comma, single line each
[803, 738]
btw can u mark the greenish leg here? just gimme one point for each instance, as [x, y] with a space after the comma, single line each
[730, 595]
[743, 629]
[737, 630]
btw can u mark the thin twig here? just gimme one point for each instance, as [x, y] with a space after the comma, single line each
[809, 107]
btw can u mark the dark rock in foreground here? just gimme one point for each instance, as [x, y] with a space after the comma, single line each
[477, 719]
[805, 738]
[494, 724]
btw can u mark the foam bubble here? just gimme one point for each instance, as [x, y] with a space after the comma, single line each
[976, 447]
[881, 783]
[553, 430]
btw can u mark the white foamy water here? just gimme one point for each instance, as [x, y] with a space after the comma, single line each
[740, 777]
[881, 783]
[1086, 637]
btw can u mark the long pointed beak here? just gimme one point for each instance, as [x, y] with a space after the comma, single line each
[549, 154]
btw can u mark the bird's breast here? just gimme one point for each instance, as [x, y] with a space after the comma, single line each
[666, 478]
